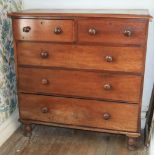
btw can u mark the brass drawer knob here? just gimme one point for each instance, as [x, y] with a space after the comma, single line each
[107, 86]
[58, 30]
[106, 116]
[109, 58]
[44, 110]
[26, 29]
[44, 54]
[127, 33]
[92, 31]
[44, 81]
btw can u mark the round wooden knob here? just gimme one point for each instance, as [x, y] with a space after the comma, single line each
[44, 110]
[106, 116]
[107, 86]
[92, 31]
[58, 30]
[44, 81]
[127, 33]
[26, 29]
[109, 58]
[44, 54]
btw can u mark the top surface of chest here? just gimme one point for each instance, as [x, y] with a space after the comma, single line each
[118, 13]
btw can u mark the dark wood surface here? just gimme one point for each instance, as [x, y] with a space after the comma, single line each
[125, 59]
[80, 83]
[47, 140]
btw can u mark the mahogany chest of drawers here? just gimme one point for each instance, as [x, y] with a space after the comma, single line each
[81, 70]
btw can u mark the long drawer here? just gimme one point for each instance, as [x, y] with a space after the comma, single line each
[86, 113]
[80, 83]
[44, 30]
[116, 31]
[126, 59]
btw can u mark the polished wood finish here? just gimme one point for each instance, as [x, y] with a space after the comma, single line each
[123, 31]
[125, 59]
[80, 83]
[79, 112]
[44, 30]
[82, 69]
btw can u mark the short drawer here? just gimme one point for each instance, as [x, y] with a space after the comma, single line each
[44, 30]
[86, 113]
[80, 83]
[126, 59]
[120, 31]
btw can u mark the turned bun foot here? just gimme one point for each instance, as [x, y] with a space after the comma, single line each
[27, 130]
[132, 143]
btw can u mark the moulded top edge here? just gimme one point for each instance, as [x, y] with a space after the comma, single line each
[117, 13]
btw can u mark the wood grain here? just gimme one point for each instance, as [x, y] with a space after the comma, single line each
[79, 112]
[112, 31]
[126, 59]
[48, 140]
[80, 83]
[43, 30]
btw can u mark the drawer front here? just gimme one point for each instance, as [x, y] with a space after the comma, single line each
[127, 59]
[123, 31]
[80, 83]
[44, 30]
[88, 113]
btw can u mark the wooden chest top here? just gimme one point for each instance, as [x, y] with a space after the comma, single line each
[117, 13]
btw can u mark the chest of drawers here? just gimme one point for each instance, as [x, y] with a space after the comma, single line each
[81, 70]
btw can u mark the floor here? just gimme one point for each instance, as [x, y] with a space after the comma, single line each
[47, 140]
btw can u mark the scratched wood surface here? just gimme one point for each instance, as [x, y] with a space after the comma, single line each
[48, 140]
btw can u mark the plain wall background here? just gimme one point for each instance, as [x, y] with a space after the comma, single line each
[111, 4]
